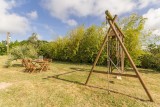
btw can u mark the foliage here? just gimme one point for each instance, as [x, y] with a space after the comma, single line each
[90, 44]
[3, 48]
[14, 44]
[80, 45]
[25, 51]
[33, 38]
[64, 49]
[21, 52]
[73, 44]
[133, 29]
[151, 59]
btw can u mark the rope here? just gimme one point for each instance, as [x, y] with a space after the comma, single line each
[114, 65]
[108, 63]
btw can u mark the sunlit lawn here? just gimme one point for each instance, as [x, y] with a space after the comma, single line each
[62, 86]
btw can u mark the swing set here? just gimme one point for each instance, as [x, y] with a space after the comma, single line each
[115, 36]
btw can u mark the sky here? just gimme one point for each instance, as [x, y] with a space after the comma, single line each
[51, 19]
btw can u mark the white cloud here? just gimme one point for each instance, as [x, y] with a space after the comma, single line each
[11, 22]
[49, 28]
[63, 9]
[71, 22]
[144, 3]
[4, 6]
[153, 20]
[33, 15]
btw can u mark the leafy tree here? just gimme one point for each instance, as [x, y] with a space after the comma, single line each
[46, 50]
[33, 39]
[14, 44]
[133, 29]
[3, 49]
[154, 49]
[73, 44]
[151, 58]
[82, 44]
[22, 52]
[89, 46]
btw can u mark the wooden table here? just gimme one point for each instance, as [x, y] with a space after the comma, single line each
[43, 64]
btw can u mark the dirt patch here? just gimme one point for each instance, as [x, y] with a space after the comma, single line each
[4, 85]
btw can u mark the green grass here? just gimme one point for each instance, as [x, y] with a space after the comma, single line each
[62, 86]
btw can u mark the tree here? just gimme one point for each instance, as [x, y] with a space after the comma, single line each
[74, 39]
[89, 45]
[151, 58]
[22, 52]
[33, 38]
[133, 29]
[3, 49]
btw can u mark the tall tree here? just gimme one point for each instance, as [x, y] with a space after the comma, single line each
[133, 27]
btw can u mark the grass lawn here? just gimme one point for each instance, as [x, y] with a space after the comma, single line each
[62, 86]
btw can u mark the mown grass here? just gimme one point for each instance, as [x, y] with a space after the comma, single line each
[62, 86]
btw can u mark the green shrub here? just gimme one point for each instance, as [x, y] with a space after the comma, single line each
[82, 44]
[150, 60]
[25, 51]
[21, 52]
[3, 48]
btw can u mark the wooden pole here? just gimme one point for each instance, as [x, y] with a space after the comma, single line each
[100, 51]
[131, 61]
[111, 54]
[8, 37]
[122, 57]
[108, 62]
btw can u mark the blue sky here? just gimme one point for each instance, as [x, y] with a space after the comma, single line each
[54, 18]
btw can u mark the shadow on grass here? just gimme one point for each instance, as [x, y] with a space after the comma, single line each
[80, 83]
[13, 65]
[104, 72]
[62, 74]
[80, 69]
[146, 71]
[88, 70]
[116, 92]
[17, 65]
[142, 70]
[56, 77]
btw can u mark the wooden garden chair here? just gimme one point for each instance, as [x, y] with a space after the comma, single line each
[48, 62]
[26, 64]
[30, 67]
[44, 66]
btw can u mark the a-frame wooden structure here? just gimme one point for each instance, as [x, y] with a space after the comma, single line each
[118, 33]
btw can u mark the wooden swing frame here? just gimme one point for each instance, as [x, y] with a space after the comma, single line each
[114, 28]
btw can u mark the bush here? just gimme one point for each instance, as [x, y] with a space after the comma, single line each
[21, 52]
[80, 45]
[25, 51]
[151, 60]
[3, 48]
